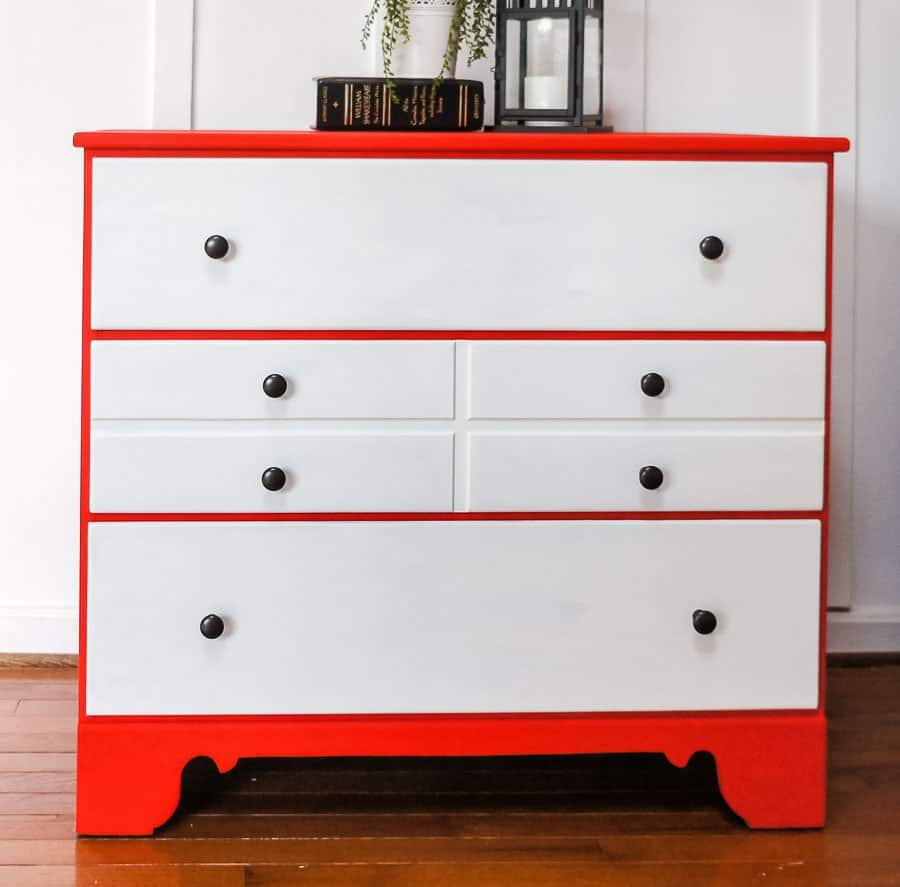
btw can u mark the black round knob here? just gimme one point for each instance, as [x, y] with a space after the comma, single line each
[212, 626]
[651, 477]
[275, 385]
[216, 247]
[273, 479]
[704, 621]
[653, 384]
[711, 247]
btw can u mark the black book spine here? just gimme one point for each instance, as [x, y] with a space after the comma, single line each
[366, 104]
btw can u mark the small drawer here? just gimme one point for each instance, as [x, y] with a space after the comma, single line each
[217, 470]
[647, 380]
[335, 244]
[271, 380]
[400, 617]
[696, 469]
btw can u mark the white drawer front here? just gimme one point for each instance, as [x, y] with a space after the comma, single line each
[224, 380]
[703, 470]
[196, 471]
[423, 617]
[463, 244]
[602, 380]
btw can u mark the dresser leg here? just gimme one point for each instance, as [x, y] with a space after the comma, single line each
[773, 776]
[129, 779]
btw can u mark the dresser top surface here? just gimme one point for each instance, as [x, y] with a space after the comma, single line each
[489, 144]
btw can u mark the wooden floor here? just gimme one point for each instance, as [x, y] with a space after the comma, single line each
[593, 820]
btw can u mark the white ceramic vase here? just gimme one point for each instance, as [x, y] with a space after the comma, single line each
[429, 30]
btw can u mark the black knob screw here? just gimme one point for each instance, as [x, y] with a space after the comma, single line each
[216, 246]
[653, 384]
[651, 477]
[212, 626]
[273, 479]
[275, 385]
[704, 621]
[711, 247]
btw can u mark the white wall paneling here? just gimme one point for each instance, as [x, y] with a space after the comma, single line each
[63, 66]
[29, 626]
[624, 64]
[835, 113]
[876, 417]
[864, 628]
[255, 62]
[730, 66]
[172, 80]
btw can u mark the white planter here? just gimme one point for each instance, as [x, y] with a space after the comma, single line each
[429, 29]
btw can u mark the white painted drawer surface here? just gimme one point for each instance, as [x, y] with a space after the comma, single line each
[426, 617]
[214, 467]
[223, 380]
[457, 244]
[602, 380]
[203, 471]
[704, 469]
[399, 379]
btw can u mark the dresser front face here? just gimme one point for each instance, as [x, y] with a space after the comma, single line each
[477, 363]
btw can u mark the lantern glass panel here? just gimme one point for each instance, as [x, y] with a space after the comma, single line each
[592, 65]
[513, 73]
[546, 85]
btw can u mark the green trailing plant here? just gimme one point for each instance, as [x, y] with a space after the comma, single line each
[472, 27]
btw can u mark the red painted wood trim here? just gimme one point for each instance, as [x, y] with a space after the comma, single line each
[609, 717]
[449, 155]
[459, 144]
[535, 335]
[383, 516]
[85, 493]
[771, 768]
[826, 468]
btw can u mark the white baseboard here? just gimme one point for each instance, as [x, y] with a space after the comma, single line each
[38, 628]
[864, 630]
[54, 629]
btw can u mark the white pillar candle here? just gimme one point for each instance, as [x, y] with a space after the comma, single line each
[546, 93]
[546, 80]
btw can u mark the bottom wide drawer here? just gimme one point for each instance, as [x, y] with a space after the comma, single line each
[452, 616]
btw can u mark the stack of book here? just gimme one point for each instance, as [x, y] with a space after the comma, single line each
[366, 103]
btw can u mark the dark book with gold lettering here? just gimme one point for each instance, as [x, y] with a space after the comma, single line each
[364, 103]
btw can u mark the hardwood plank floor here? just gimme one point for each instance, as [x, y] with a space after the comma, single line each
[586, 820]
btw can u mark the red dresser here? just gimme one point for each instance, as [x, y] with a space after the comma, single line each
[453, 445]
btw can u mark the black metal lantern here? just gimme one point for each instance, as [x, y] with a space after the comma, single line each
[549, 71]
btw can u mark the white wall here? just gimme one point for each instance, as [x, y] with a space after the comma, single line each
[64, 65]
[804, 67]
[876, 415]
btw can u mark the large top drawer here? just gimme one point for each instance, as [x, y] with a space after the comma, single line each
[457, 244]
